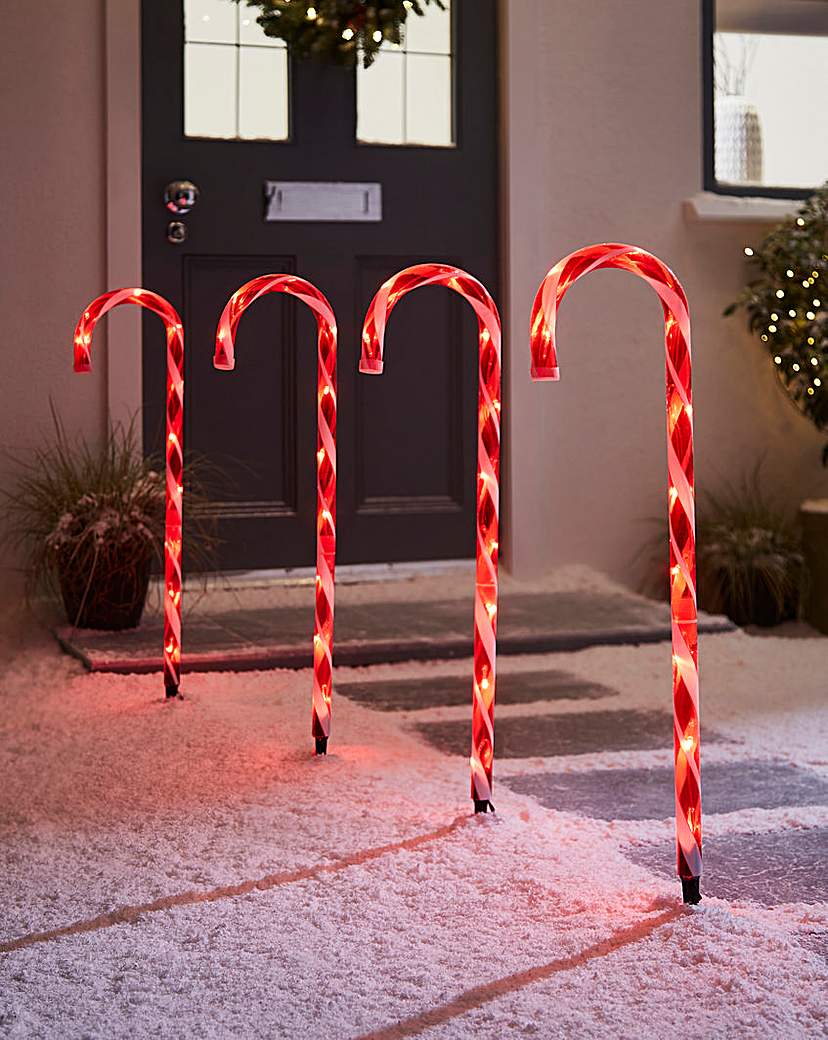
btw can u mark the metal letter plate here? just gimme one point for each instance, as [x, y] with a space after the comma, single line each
[317, 200]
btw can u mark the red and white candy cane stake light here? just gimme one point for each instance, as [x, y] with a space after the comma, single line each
[488, 468]
[325, 468]
[680, 509]
[174, 452]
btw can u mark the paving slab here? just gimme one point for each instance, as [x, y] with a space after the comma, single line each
[448, 690]
[368, 633]
[576, 733]
[782, 866]
[647, 794]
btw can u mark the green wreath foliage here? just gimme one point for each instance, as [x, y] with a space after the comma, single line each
[337, 31]
[787, 305]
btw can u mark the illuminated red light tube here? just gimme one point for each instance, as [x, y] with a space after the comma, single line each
[325, 468]
[680, 508]
[488, 468]
[174, 452]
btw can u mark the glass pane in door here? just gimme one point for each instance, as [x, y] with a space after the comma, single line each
[407, 95]
[235, 77]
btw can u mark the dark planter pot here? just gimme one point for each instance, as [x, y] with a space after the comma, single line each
[763, 610]
[814, 518]
[114, 599]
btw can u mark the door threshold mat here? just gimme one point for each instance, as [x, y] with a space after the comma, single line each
[382, 633]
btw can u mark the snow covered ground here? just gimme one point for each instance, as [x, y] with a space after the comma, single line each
[189, 870]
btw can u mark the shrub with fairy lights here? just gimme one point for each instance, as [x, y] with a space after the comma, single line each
[785, 307]
[337, 31]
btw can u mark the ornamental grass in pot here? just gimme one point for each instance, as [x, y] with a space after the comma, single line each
[89, 521]
[749, 558]
[750, 563]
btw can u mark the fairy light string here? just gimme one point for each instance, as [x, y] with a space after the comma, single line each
[174, 451]
[680, 506]
[800, 374]
[224, 358]
[487, 500]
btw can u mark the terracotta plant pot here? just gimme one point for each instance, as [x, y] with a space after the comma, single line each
[114, 598]
[813, 516]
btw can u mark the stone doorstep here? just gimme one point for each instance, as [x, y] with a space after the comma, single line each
[243, 640]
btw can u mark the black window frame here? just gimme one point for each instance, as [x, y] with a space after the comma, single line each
[708, 125]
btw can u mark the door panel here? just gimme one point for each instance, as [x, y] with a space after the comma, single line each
[406, 440]
[409, 453]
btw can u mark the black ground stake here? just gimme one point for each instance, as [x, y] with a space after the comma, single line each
[690, 890]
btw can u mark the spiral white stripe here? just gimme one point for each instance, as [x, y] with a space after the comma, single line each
[681, 484]
[687, 841]
[674, 303]
[685, 663]
[680, 389]
[682, 564]
[688, 760]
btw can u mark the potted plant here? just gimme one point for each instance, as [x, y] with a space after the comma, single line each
[90, 522]
[749, 558]
[786, 310]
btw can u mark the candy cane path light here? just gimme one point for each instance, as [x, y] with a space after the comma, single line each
[325, 468]
[488, 468]
[174, 452]
[680, 508]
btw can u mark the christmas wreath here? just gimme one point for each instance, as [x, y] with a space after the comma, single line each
[338, 31]
[787, 305]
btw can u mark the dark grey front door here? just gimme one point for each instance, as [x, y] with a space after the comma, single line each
[216, 97]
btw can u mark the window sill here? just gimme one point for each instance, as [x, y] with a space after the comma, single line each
[707, 207]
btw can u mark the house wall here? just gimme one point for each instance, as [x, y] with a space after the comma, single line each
[602, 142]
[52, 201]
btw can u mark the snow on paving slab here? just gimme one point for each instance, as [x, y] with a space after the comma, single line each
[274, 894]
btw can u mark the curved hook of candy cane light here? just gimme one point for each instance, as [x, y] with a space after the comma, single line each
[488, 469]
[174, 452]
[680, 508]
[325, 468]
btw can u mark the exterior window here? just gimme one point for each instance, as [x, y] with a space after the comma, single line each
[767, 73]
[235, 77]
[407, 95]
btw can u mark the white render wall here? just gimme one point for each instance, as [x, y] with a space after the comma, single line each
[603, 142]
[52, 238]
